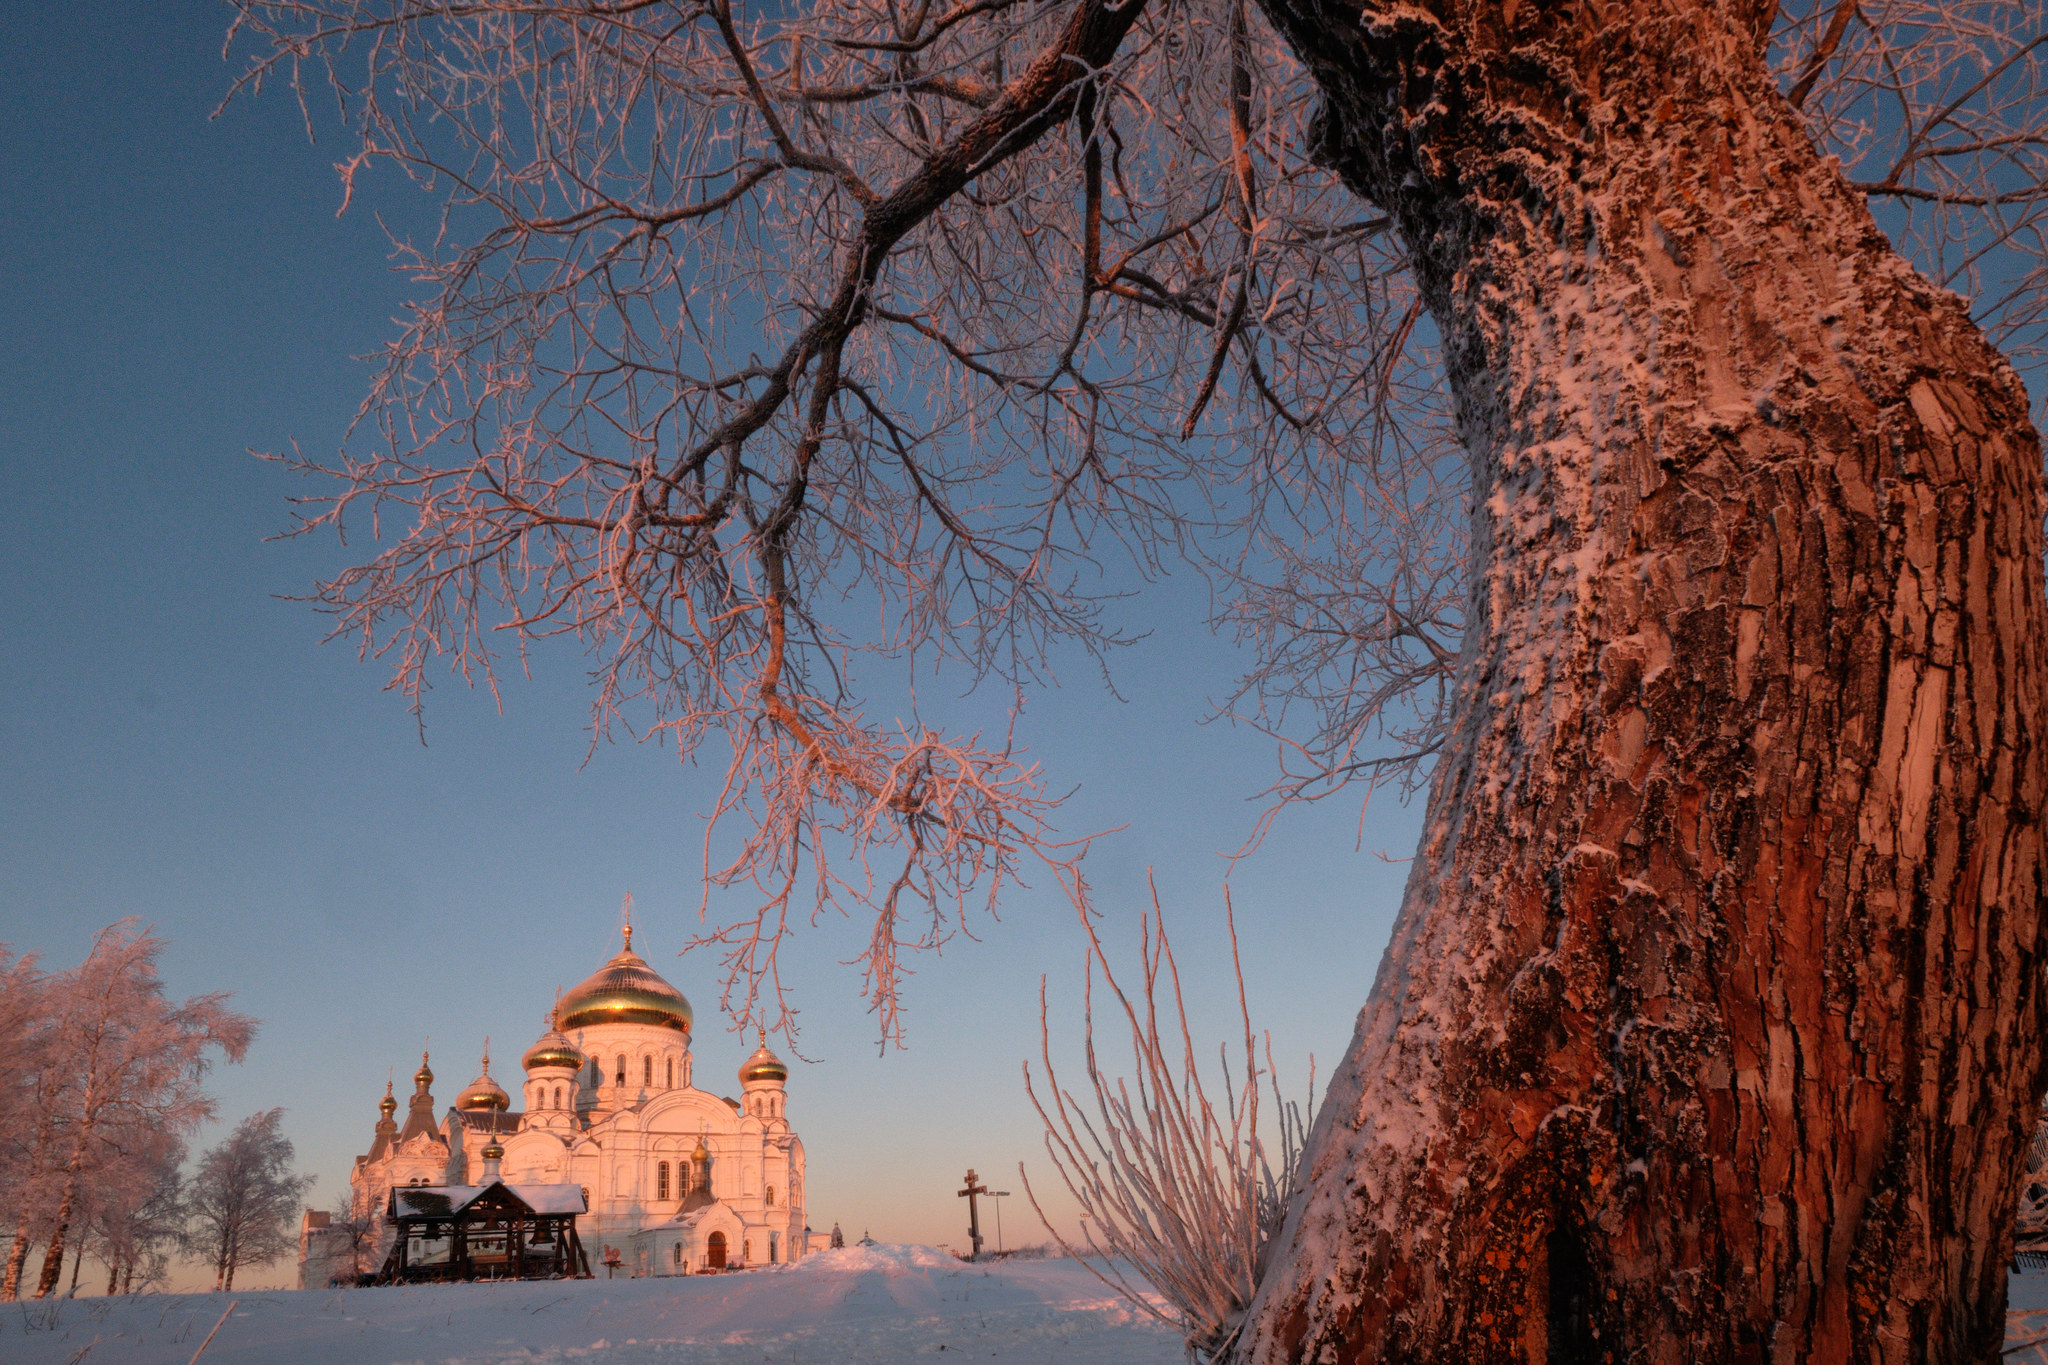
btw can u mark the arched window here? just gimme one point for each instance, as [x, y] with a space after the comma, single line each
[671, 1073]
[558, 1097]
[661, 1181]
[647, 1071]
[771, 1196]
[682, 1179]
[679, 1255]
[622, 1068]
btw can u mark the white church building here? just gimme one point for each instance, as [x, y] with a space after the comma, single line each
[677, 1179]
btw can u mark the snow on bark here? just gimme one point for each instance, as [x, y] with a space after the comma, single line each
[1710, 1028]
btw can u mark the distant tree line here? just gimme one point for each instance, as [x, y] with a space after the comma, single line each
[102, 1089]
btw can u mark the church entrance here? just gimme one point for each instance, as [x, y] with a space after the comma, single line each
[714, 1252]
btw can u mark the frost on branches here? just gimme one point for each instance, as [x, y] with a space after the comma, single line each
[1544, 382]
[104, 1091]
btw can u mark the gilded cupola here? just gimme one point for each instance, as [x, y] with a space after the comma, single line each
[554, 1051]
[763, 1066]
[625, 991]
[483, 1092]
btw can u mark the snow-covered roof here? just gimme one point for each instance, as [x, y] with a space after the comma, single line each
[551, 1198]
[689, 1218]
[446, 1201]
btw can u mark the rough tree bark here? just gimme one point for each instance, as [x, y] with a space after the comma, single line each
[1711, 1029]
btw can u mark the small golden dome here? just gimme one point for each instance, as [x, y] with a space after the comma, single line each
[387, 1106]
[763, 1066]
[424, 1077]
[625, 991]
[483, 1092]
[493, 1151]
[554, 1050]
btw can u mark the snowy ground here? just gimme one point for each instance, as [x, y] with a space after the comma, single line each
[874, 1305]
[869, 1304]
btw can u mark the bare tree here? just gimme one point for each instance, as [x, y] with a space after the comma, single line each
[244, 1196]
[123, 1061]
[356, 1230]
[136, 1213]
[1573, 431]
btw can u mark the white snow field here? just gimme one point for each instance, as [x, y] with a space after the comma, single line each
[879, 1304]
[874, 1305]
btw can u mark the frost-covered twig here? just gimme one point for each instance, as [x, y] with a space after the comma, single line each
[1188, 1197]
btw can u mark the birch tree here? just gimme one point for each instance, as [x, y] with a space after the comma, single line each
[244, 1197]
[1589, 451]
[124, 1059]
[28, 1107]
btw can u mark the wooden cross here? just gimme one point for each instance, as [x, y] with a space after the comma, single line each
[974, 1188]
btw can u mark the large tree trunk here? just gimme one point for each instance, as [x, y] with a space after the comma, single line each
[1711, 1028]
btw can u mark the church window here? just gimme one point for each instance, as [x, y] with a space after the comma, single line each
[771, 1196]
[746, 1250]
[679, 1254]
[661, 1181]
[647, 1071]
[671, 1073]
[558, 1097]
[622, 1068]
[773, 1247]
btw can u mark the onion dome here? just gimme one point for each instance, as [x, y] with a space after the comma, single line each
[483, 1092]
[554, 1051]
[763, 1066]
[424, 1077]
[387, 1106]
[625, 991]
[702, 1154]
[493, 1150]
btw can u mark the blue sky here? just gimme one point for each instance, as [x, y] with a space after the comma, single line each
[176, 744]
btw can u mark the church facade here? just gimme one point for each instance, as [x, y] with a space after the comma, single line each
[678, 1179]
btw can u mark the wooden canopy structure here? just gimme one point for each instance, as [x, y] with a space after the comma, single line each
[484, 1232]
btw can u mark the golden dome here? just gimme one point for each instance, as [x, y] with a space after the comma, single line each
[387, 1106]
[492, 1151]
[763, 1066]
[483, 1092]
[626, 991]
[554, 1050]
[424, 1077]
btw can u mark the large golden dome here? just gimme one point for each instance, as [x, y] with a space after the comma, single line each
[626, 991]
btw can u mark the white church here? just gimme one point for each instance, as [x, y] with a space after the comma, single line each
[676, 1179]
